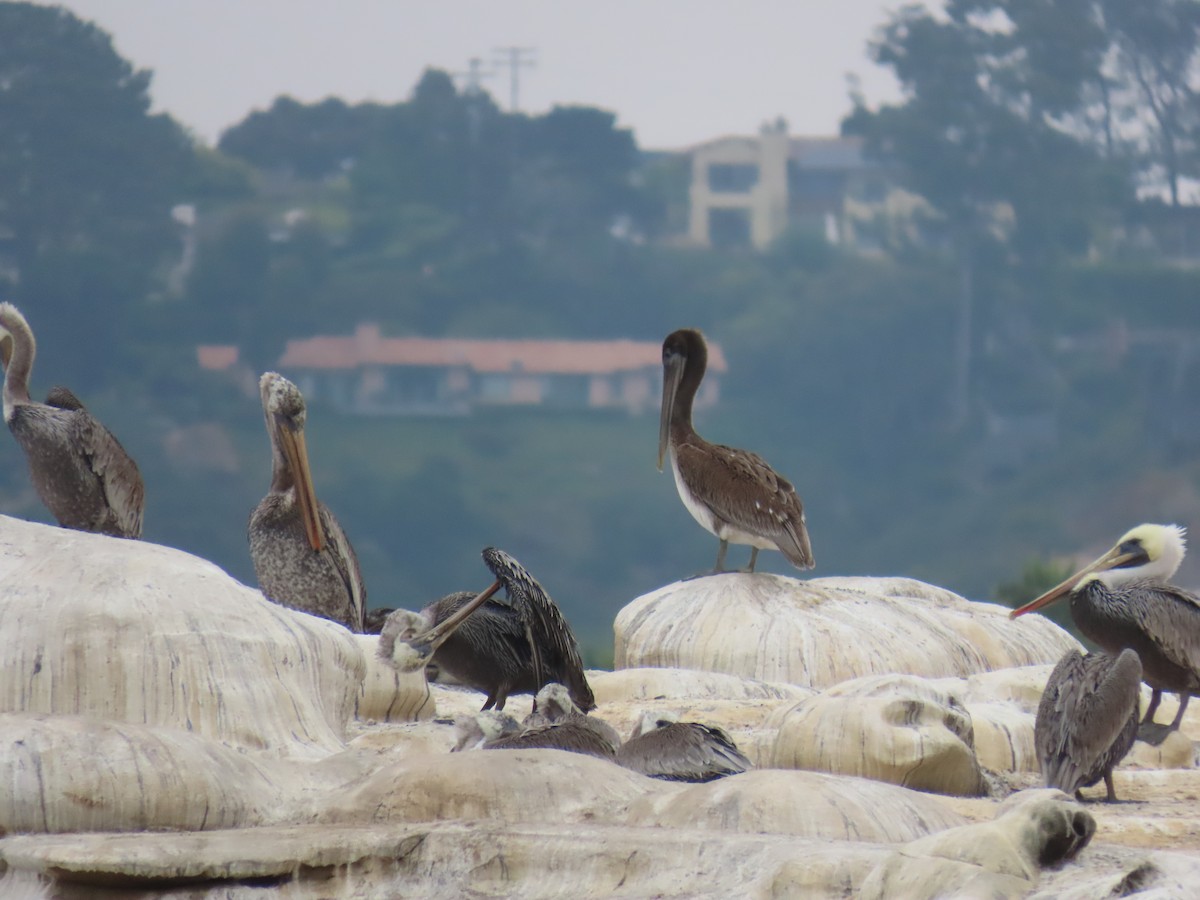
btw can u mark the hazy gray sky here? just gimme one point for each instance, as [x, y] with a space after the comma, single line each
[676, 71]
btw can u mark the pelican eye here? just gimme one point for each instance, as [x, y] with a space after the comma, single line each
[1135, 551]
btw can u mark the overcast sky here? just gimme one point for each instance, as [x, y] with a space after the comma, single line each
[676, 71]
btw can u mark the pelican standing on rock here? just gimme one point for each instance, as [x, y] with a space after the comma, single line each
[732, 493]
[80, 471]
[1123, 600]
[511, 646]
[301, 555]
[1087, 719]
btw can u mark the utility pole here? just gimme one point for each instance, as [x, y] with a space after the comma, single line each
[516, 58]
[472, 79]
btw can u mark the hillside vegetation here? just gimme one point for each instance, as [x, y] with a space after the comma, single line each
[1020, 383]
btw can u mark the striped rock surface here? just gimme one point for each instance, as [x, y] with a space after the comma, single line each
[824, 631]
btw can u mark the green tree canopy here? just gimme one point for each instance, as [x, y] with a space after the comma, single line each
[88, 178]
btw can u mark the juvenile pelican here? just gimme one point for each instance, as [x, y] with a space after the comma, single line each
[1123, 599]
[554, 706]
[1087, 719]
[478, 731]
[301, 555]
[501, 647]
[80, 471]
[571, 736]
[732, 493]
[662, 747]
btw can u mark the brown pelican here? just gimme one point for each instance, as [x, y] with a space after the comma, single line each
[301, 555]
[1088, 719]
[571, 736]
[554, 706]
[662, 747]
[732, 493]
[500, 647]
[81, 472]
[1123, 600]
[477, 731]
[374, 619]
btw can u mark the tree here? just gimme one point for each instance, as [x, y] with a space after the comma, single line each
[988, 133]
[1154, 66]
[88, 178]
[306, 140]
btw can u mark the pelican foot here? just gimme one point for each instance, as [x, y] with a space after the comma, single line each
[1153, 734]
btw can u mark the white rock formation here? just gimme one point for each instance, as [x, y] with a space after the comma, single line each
[804, 804]
[386, 694]
[144, 689]
[77, 773]
[894, 728]
[821, 632]
[135, 632]
[1000, 859]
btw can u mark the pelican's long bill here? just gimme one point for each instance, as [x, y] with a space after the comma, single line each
[672, 373]
[291, 442]
[437, 635]
[1118, 556]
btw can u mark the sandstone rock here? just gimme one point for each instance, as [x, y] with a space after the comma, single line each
[898, 728]
[388, 695]
[630, 685]
[133, 632]
[1000, 859]
[824, 631]
[530, 786]
[805, 804]
[76, 773]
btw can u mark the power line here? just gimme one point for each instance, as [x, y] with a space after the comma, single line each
[473, 78]
[516, 58]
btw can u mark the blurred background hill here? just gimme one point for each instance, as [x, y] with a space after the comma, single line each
[967, 327]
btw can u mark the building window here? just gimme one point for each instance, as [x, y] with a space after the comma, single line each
[815, 188]
[729, 227]
[732, 178]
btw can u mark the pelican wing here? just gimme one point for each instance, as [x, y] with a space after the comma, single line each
[569, 736]
[342, 557]
[555, 650]
[683, 751]
[118, 473]
[1170, 617]
[742, 489]
[1087, 718]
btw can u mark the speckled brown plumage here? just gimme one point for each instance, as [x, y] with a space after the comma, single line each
[732, 493]
[324, 580]
[554, 706]
[80, 471]
[1087, 719]
[571, 736]
[681, 751]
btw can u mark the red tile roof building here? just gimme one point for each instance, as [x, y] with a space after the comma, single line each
[368, 373]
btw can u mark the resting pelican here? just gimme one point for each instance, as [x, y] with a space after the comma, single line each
[301, 555]
[662, 747]
[81, 472]
[554, 706]
[1123, 599]
[732, 493]
[1087, 719]
[478, 731]
[571, 736]
[500, 647]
